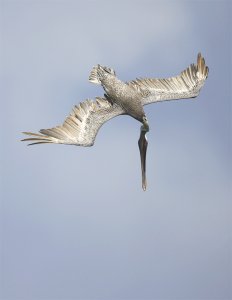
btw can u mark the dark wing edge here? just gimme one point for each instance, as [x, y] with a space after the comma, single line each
[81, 126]
[185, 85]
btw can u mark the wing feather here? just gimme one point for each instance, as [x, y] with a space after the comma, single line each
[81, 126]
[185, 85]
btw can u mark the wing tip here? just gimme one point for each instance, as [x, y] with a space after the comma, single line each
[201, 67]
[36, 138]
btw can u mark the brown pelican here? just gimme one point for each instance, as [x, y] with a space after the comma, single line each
[81, 126]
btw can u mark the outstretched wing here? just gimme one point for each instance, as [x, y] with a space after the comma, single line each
[81, 126]
[185, 85]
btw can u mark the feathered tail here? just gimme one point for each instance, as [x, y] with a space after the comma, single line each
[99, 72]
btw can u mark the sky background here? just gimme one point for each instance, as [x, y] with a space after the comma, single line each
[75, 222]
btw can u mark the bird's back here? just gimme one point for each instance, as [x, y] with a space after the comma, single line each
[119, 92]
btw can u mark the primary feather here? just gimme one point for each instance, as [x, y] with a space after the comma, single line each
[184, 86]
[81, 126]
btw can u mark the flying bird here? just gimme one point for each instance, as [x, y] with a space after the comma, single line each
[122, 98]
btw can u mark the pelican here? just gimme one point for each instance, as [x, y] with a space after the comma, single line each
[122, 98]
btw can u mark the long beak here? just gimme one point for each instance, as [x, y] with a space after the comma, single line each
[143, 150]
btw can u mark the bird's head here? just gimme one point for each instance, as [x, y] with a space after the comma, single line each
[145, 126]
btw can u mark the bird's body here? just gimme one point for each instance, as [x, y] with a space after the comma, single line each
[81, 126]
[117, 91]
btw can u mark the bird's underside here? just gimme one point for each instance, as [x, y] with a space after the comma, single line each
[81, 126]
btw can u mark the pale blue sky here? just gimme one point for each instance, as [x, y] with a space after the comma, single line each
[75, 223]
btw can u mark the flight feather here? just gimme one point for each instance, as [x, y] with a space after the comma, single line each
[186, 85]
[81, 126]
